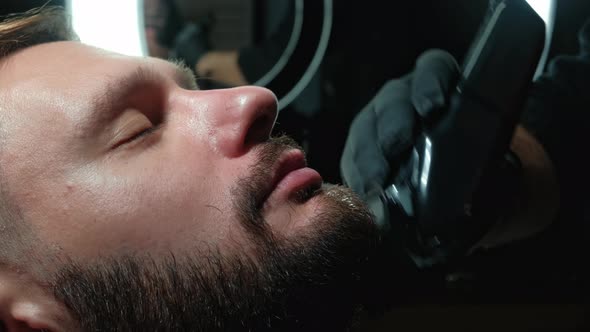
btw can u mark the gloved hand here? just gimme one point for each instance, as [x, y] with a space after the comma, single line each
[383, 133]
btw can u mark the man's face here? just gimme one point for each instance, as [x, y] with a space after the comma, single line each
[110, 157]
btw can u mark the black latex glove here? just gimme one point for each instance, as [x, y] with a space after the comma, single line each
[384, 131]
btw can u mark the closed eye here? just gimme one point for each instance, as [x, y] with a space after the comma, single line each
[144, 133]
[138, 137]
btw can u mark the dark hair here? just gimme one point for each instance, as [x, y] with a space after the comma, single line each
[36, 26]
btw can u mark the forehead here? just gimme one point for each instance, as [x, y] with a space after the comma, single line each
[62, 66]
[60, 61]
[60, 79]
[35, 82]
[47, 74]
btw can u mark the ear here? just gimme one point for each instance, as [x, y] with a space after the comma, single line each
[25, 305]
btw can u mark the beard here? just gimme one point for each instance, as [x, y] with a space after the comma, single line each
[314, 280]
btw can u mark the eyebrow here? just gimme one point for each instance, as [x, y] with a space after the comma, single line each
[106, 105]
[185, 76]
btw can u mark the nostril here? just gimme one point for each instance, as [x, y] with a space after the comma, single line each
[259, 130]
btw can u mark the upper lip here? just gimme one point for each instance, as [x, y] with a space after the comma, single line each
[289, 161]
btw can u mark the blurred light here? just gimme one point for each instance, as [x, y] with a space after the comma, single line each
[426, 166]
[112, 25]
[542, 7]
[546, 10]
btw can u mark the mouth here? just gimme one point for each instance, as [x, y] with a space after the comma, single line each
[292, 180]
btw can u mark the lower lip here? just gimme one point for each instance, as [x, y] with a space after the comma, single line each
[293, 182]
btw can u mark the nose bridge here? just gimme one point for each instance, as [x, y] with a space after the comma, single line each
[234, 118]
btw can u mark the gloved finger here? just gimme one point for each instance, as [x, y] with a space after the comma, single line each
[377, 135]
[363, 165]
[435, 75]
[396, 118]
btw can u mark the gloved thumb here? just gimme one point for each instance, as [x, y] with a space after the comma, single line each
[435, 75]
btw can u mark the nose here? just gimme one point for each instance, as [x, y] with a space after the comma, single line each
[240, 118]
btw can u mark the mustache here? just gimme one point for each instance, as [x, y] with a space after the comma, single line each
[273, 148]
[250, 192]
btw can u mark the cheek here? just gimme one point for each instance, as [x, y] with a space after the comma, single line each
[163, 207]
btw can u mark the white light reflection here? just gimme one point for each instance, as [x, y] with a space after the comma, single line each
[546, 10]
[543, 8]
[112, 25]
[426, 166]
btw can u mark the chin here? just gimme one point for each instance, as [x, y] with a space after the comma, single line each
[325, 267]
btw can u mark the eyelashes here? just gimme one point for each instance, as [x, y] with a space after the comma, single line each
[139, 136]
[144, 133]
